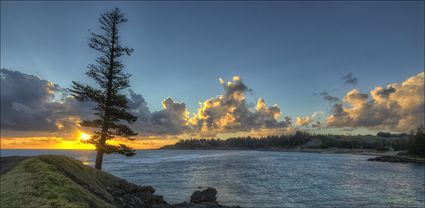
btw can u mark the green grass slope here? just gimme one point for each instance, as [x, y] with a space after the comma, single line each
[59, 181]
[39, 182]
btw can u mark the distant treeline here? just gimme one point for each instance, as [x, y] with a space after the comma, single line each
[298, 140]
[416, 145]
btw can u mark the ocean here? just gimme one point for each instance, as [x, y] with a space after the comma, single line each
[265, 179]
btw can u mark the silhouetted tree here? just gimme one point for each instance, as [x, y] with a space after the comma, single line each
[111, 109]
[417, 142]
[383, 134]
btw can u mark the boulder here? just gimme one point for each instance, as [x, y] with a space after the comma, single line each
[207, 195]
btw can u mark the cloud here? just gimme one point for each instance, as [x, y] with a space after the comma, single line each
[231, 113]
[397, 107]
[225, 113]
[328, 97]
[171, 120]
[138, 105]
[303, 121]
[349, 79]
[331, 99]
[311, 121]
[317, 125]
[29, 103]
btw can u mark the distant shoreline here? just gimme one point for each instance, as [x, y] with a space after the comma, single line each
[376, 155]
[380, 156]
[370, 152]
[306, 150]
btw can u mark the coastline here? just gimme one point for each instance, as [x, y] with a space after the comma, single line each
[60, 181]
[376, 155]
[339, 151]
[304, 165]
[304, 150]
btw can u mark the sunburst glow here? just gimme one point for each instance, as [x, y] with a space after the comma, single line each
[84, 137]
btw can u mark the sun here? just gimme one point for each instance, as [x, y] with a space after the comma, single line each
[84, 137]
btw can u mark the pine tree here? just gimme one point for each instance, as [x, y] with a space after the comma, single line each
[417, 142]
[111, 105]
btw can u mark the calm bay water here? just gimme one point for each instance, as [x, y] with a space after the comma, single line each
[266, 179]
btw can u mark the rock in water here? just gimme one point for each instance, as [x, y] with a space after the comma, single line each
[398, 159]
[200, 199]
[207, 195]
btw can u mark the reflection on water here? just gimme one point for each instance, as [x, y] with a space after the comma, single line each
[87, 163]
[267, 179]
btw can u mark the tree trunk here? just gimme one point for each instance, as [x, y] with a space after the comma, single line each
[99, 159]
[105, 125]
[101, 145]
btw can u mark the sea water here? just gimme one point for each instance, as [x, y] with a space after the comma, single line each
[265, 179]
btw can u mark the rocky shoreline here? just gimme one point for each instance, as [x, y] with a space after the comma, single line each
[202, 199]
[398, 159]
[130, 195]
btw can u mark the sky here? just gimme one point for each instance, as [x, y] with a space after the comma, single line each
[297, 55]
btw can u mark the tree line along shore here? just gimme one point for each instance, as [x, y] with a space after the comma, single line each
[401, 147]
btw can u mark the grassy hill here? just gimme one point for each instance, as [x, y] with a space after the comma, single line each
[58, 181]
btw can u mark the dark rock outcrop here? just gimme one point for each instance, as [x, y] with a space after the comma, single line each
[201, 199]
[207, 195]
[398, 159]
[132, 195]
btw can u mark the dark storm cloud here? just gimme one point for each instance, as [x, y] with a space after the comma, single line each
[29, 103]
[323, 93]
[23, 102]
[385, 92]
[337, 110]
[331, 99]
[138, 106]
[172, 120]
[328, 97]
[349, 79]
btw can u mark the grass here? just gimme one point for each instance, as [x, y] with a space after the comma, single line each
[55, 181]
